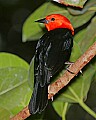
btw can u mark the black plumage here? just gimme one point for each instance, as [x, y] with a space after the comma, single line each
[52, 51]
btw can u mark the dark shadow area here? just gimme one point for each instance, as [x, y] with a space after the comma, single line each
[12, 16]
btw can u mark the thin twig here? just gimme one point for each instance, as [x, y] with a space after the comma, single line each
[64, 80]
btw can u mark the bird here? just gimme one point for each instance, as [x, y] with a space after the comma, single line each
[52, 51]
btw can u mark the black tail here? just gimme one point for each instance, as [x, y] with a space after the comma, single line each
[39, 99]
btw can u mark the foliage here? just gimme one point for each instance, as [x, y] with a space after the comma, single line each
[15, 92]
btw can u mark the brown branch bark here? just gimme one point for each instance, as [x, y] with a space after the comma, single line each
[64, 80]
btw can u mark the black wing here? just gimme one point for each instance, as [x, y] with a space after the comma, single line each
[53, 49]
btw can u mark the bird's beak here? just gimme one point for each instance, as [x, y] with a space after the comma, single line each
[42, 21]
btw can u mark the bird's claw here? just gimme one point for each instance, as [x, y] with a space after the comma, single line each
[69, 71]
[69, 63]
[81, 72]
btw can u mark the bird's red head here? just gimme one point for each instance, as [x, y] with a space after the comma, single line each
[54, 21]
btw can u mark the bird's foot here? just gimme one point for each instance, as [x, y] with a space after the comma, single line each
[69, 63]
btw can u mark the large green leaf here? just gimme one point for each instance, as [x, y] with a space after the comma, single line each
[14, 90]
[32, 30]
[58, 106]
[4, 114]
[77, 3]
[90, 5]
[11, 60]
[87, 37]
[76, 52]
[61, 108]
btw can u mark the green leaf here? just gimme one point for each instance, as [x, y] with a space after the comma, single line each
[14, 89]
[33, 31]
[76, 52]
[61, 108]
[80, 20]
[77, 3]
[11, 60]
[4, 114]
[89, 6]
[87, 37]
[58, 106]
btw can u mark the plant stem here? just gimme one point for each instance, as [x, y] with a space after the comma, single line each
[64, 111]
[89, 110]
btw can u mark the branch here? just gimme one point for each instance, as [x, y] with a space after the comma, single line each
[75, 68]
[64, 80]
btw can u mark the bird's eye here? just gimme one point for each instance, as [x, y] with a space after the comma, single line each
[52, 19]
